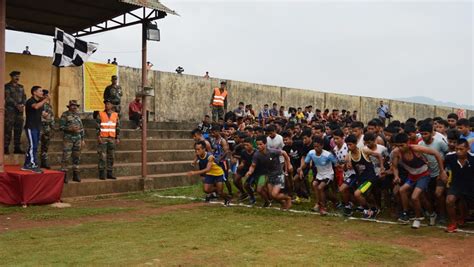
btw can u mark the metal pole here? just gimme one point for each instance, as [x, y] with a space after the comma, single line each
[2, 79]
[144, 115]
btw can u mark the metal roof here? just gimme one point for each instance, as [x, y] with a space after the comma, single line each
[72, 16]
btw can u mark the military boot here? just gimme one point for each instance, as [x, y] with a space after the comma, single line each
[102, 175]
[45, 164]
[66, 180]
[75, 176]
[110, 175]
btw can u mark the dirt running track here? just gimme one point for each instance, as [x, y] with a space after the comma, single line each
[438, 251]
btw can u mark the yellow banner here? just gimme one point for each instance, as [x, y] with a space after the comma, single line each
[96, 78]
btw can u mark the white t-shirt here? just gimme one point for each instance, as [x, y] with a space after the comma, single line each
[341, 156]
[360, 143]
[439, 136]
[375, 160]
[323, 163]
[276, 143]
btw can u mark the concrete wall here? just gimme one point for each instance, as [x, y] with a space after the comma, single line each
[187, 97]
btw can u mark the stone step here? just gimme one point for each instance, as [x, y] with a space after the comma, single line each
[90, 157]
[126, 124]
[152, 134]
[132, 144]
[93, 187]
[90, 171]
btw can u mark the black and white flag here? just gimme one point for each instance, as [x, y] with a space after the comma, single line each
[70, 51]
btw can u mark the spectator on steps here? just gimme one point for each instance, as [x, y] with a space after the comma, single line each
[135, 111]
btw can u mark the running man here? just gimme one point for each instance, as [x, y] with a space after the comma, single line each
[323, 160]
[461, 187]
[411, 159]
[211, 172]
[266, 162]
[348, 175]
[359, 160]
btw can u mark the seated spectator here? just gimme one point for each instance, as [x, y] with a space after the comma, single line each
[135, 111]
[299, 114]
[274, 111]
[264, 115]
[240, 111]
[205, 126]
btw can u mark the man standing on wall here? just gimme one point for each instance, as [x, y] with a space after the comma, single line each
[15, 99]
[113, 92]
[219, 102]
[383, 112]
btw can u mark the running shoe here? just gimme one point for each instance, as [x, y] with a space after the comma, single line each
[374, 212]
[416, 223]
[297, 200]
[404, 218]
[432, 218]
[452, 228]
[243, 197]
[367, 214]
[227, 202]
[267, 204]
[207, 198]
[347, 211]
[315, 208]
[252, 201]
[360, 209]
[323, 211]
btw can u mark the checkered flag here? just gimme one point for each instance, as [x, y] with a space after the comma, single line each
[70, 51]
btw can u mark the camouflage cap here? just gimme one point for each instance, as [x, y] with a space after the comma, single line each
[73, 103]
[14, 73]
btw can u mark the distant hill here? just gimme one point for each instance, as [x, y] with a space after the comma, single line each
[430, 101]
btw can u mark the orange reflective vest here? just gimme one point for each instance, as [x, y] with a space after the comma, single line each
[218, 100]
[108, 124]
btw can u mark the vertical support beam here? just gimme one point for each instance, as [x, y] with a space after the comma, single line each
[2, 79]
[144, 101]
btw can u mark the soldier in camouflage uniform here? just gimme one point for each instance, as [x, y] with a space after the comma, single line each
[15, 100]
[108, 130]
[47, 124]
[73, 140]
[113, 93]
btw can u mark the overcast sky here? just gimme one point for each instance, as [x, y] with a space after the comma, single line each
[371, 48]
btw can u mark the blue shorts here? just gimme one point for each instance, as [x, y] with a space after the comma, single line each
[211, 179]
[351, 181]
[421, 183]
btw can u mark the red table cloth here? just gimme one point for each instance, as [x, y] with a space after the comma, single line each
[24, 187]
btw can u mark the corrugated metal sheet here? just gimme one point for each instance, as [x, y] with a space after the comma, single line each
[153, 4]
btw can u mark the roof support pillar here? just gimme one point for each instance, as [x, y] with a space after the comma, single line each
[2, 79]
[144, 102]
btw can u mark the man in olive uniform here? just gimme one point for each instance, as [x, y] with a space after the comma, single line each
[15, 100]
[73, 140]
[108, 130]
[47, 123]
[113, 93]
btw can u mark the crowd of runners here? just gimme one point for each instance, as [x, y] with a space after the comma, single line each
[415, 170]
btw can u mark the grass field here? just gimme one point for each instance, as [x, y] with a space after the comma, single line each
[144, 229]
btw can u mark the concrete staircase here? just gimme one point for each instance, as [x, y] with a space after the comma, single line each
[170, 152]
